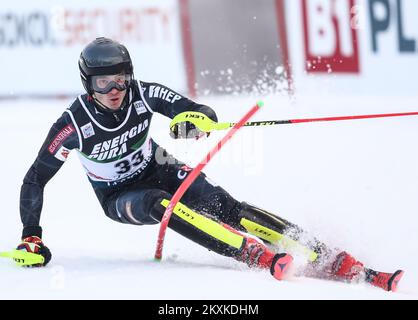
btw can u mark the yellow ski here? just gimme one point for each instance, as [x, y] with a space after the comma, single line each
[207, 225]
[277, 238]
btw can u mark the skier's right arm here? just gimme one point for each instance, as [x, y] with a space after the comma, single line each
[61, 138]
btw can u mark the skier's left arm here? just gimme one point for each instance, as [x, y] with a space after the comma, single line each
[177, 107]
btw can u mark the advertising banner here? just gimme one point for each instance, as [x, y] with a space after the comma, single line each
[354, 46]
[40, 42]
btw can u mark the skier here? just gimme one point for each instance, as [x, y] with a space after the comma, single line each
[133, 177]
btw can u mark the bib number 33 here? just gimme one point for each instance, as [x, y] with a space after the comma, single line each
[126, 165]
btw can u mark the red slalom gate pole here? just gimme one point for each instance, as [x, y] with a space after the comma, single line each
[193, 175]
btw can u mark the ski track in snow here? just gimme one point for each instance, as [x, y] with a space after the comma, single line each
[353, 184]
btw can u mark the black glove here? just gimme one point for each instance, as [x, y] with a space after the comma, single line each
[191, 125]
[34, 244]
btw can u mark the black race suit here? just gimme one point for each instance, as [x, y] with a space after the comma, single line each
[129, 172]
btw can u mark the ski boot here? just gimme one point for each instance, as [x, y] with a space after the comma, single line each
[347, 268]
[257, 255]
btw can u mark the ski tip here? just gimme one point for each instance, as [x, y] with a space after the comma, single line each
[260, 104]
[280, 264]
[394, 280]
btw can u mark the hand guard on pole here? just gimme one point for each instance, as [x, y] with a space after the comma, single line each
[191, 125]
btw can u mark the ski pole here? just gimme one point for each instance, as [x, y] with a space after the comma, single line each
[226, 125]
[194, 174]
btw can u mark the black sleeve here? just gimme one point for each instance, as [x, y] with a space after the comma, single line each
[169, 103]
[61, 138]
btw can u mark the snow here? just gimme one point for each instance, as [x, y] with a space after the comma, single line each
[353, 184]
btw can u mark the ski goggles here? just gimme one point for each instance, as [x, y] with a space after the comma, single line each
[105, 83]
